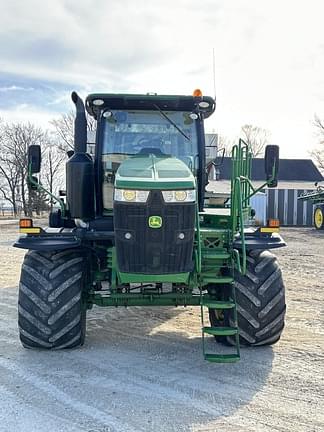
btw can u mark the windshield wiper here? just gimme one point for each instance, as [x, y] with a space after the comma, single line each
[118, 154]
[171, 121]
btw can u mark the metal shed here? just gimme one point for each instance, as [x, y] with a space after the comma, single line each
[296, 176]
[282, 204]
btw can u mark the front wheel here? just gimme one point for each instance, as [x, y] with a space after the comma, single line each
[51, 306]
[260, 299]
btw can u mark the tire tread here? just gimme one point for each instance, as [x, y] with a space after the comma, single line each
[260, 298]
[51, 313]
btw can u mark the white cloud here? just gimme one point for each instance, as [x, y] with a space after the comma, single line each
[14, 88]
[269, 55]
[25, 114]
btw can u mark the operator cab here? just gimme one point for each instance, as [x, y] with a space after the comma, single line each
[141, 125]
[141, 133]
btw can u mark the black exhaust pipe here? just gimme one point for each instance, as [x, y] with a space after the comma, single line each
[80, 125]
[80, 169]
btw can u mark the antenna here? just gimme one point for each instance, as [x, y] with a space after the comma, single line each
[214, 74]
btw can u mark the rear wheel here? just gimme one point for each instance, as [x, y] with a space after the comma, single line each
[260, 298]
[319, 218]
[51, 306]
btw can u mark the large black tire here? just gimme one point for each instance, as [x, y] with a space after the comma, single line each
[260, 298]
[51, 306]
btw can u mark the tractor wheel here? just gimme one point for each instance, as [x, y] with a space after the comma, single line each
[319, 218]
[260, 298]
[51, 306]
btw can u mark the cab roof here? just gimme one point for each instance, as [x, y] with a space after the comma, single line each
[148, 102]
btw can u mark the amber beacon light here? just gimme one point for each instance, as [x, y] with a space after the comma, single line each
[197, 93]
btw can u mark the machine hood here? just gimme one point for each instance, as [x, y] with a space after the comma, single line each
[154, 172]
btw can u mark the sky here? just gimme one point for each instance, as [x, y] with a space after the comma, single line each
[269, 59]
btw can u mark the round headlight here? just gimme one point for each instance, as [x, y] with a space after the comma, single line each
[107, 114]
[203, 104]
[180, 195]
[129, 195]
[193, 116]
[98, 102]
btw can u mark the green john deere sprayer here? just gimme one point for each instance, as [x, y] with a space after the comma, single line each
[317, 198]
[134, 228]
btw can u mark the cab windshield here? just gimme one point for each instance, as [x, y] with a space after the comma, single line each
[128, 133]
[171, 133]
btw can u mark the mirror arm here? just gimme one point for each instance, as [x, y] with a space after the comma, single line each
[213, 163]
[273, 174]
[254, 190]
[40, 187]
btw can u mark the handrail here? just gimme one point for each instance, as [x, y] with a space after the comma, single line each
[198, 256]
[238, 221]
[241, 187]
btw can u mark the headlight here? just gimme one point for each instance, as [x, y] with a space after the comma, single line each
[131, 195]
[179, 196]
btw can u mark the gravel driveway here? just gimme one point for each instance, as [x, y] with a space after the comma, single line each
[141, 369]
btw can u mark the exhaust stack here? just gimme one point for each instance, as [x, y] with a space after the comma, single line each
[80, 125]
[80, 169]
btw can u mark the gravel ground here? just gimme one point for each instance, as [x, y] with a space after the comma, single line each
[141, 369]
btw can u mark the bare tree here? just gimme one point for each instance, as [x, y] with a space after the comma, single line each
[319, 124]
[15, 140]
[256, 137]
[9, 180]
[318, 153]
[9, 172]
[64, 128]
[53, 164]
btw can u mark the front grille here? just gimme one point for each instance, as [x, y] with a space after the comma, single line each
[154, 250]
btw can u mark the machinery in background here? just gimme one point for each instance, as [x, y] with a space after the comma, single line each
[317, 198]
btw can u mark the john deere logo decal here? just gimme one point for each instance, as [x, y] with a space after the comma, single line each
[155, 221]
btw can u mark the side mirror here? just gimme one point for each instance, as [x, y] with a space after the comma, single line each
[34, 158]
[271, 159]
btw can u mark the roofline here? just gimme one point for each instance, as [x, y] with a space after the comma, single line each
[305, 169]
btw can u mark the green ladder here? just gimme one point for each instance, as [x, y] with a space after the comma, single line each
[212, 260]
[220, 331]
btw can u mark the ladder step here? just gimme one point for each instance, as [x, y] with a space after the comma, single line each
[222, 358]
[219, 304]
[216, 279]
[212, 267]
[212, 232]
[209, 254]
[220, 331]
